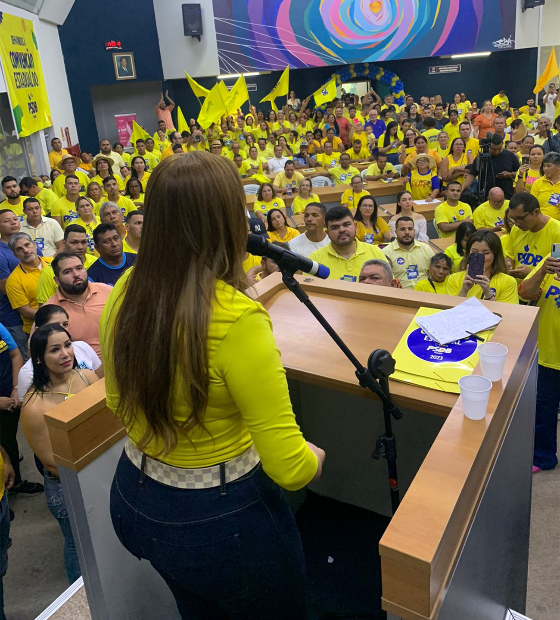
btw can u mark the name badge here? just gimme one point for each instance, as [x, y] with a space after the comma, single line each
[349, 278]
[412, 272]
[40, 243]
[554, 200]
[368, 238]
[343, 177]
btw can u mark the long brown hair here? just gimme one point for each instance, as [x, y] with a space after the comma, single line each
[194, 233]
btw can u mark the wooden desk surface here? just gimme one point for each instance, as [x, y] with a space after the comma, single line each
[333, 194]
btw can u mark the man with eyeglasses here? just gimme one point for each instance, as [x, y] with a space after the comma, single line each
[490, 215]
[531, 239]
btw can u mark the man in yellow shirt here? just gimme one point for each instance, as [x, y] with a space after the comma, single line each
[409, 258]
[150, 159]
[68, 164]
[14, 201]
[175, 138]
[242, 166]
[343, 173]
[290, 179]
[359, 153]
[235, 150]
[344, 255]
[56, 154]
[265, 149]
[472, 145]
[452, 128]
[431, 132]
[46, 197]
[524, 109]
[328, 158]
[531, 239]
[381, 169]
[542, 286]
[111, 188]
[531, 118]
[134, 222]
[449, 214]
[21, 286]
[490, 215]
[547, 188]
[336, 142]
[501, 100]
[64, 209]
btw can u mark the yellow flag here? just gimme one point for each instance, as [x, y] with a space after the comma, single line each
[181, 122]
[326, 93]
[549, 73]
[197, 89]
[238, 95]
[213, 108]
[23, 73]
[281, 89]
[138, 133]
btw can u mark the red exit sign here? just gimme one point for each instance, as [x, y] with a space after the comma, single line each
[113, 45]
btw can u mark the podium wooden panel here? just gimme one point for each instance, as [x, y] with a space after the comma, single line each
[423, 543]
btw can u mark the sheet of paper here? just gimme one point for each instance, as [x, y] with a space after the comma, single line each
[455, 323]
[426, 202]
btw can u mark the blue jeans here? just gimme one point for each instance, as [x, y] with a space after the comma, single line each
[57, 505]
[4, 537]
[548, 399]
[238, 556]
[393, 158]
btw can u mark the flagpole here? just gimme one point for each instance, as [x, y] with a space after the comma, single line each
[539, 47]
[199, 102]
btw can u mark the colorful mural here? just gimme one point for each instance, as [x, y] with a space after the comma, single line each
[270, 34]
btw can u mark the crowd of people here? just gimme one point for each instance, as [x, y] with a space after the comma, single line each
[68, 238]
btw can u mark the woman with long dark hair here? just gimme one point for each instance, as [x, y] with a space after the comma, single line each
[56, 378]
[456, 252]
[389, 143]
[277, 227]
[207, 412]
[369, 227]
[405, 207]
[138, 171]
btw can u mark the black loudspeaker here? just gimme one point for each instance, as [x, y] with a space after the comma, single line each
[192, 20]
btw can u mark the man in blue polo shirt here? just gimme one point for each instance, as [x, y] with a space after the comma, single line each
[112, 261]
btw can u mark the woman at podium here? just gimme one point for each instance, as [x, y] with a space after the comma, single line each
[193, 372]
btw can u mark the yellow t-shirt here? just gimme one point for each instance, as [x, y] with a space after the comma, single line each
[372, 235]
[244, 369]
[343, 177]
[530, 177]
[500, 102]
[429, 286]
[265, 207]
[363, 154]
[485, 216]
[125, 205]
[127, 248]
[350, 199]
[455, 257]
[245, 166]
[54, 158]
[328, 160]
[291, 233]
[421, 186]
[504, 286]
[530, 121]
[452, 131]
[362, 137]
[549, 321]
[150, 159]
[65, 210]
[548, 196]
[443, 152]
[446, 213]
[90, 227]
[120, 182]
[451, 163]
[524, 109]
[58, 185]
[336, 142]
[526, 248]
[281, 180]
[431, 136]
[46, 287]
[382, 143]
[462, 108]
[21, 288]
[278, 127]
[473, 147]
[17, 209]
[373, 170]
[46, 198]
[299, 203]
[251, 261]
[342, 269]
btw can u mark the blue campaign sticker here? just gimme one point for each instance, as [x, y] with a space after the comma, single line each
[400, 261]
[461, 212]
[428, 350]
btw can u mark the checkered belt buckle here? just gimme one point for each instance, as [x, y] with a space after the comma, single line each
[200, 478]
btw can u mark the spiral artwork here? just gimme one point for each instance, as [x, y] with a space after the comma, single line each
[270, 34]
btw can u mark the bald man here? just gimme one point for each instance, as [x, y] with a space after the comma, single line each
[490, 215]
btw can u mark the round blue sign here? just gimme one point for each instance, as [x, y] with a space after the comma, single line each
[400, 261]
[429, 350]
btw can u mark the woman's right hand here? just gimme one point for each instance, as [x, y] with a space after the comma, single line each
[320, 454]
[468, 283]
[523, 169]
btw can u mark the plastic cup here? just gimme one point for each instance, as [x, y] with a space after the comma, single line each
[492, 357]
[475, 391]
[390, 179]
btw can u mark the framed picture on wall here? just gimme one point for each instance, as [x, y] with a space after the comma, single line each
[123, 63]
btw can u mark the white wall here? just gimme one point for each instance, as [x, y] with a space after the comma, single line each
[54, 72]
[180, 53]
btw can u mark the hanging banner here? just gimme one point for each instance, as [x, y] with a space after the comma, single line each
[124, 127]
[23, 73]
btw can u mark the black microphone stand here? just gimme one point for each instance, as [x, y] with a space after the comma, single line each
[375, 377]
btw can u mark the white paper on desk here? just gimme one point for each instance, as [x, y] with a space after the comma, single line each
[455, 323]
[427, 202]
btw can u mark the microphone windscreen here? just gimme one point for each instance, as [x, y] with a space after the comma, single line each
[256, 245]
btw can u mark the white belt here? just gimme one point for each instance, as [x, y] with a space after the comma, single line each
[200, 478]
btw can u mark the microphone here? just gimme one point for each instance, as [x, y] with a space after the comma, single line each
[259, 246]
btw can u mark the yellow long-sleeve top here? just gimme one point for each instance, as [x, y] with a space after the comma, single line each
[248, 400]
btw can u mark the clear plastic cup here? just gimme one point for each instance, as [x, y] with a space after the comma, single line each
[492, 357]
[475, 391]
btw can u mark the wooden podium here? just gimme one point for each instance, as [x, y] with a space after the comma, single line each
[457, 548]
